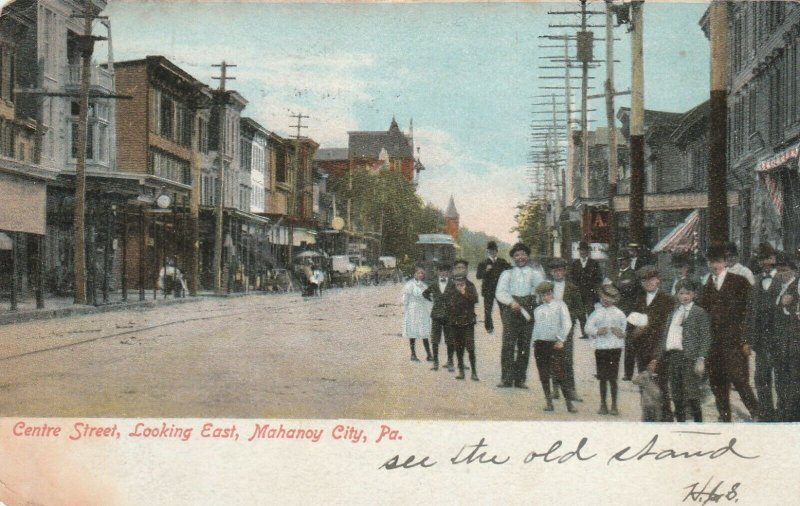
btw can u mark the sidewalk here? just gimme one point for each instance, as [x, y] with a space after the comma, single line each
[61, 307]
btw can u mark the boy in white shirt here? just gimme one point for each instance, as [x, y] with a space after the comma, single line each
[550, 330]
[606, 329]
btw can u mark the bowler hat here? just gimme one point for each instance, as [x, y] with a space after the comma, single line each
[491, 245]
[624, 254]
[460, 277]
[731, 249]
[443, 266]
[461, 261]
[764, 251]
[519, 247]
[716, 251]
[583, 245]
[558, 263]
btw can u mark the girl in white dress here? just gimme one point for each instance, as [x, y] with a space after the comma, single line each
[417, 313]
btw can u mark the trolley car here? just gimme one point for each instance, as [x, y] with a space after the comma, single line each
[434, 249]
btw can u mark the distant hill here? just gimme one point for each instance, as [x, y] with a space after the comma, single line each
[473, 246]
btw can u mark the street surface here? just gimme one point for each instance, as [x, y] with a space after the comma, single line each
[269, 356]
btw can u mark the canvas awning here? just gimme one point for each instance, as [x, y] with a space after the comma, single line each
[23, 205]
[681, 238]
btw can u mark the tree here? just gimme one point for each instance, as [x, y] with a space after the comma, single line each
[531, 226]
[473, 245]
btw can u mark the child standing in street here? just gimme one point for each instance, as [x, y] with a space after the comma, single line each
[417, 313]
[606, 328]
[552, 325]
[462, 322]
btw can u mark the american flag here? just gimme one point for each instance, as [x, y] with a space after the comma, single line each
[774, 189]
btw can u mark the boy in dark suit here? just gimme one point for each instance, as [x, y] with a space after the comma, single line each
[683, 348]
[725, 297]
[461, 319]
[570, 294]
[437, 292]
[626, 282]
[657, 306]
[489, 271]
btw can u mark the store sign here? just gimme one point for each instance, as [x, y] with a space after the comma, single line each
[597, 250]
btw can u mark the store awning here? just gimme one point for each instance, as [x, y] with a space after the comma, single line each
[779, 160]
[681, 238]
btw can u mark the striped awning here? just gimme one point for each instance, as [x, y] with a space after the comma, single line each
[681, 238]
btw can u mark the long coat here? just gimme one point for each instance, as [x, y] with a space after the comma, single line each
[761, 315]
[575, 303]
[629, 289]
[417, 311]
[489, 272]
[588, 280]
[658, 314]
[787, 336]
[727, 308]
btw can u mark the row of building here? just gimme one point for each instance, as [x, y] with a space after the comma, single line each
[156, 140]
[763, 151]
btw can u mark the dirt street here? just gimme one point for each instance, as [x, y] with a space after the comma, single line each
[275, 356]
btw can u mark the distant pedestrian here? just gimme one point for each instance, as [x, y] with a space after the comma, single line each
[606, 329]
[550, 330]
[461, 319]
[640, 256]
[725, 298]
[684, 348]
[489, 271]
[587, 274]
[417, 313]
[516, 294]
[437, 293]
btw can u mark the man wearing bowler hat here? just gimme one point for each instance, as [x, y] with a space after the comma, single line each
[725, 298]
[587, 275]
[489, 271]
[516, 294]
[627, 283]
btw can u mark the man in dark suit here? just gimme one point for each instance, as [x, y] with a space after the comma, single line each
[489, 272]
[785, 340]
[761, 330]
[570, 294]
[627, 283]
[657, 305]
[438, 292]
[587, 275]
[725, 297]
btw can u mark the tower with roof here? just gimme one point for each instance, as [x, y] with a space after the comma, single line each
[451, 219]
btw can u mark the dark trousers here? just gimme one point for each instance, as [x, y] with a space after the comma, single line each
[726, 366]
[464, 338]
[766, 366]
[515, 352]
[549, 362]
[440, 328]
[675, 366]
[488, 304]
[630, 356]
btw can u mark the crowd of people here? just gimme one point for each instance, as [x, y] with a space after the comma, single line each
[670, 342]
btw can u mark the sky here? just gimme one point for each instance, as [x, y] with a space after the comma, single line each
[467, 75]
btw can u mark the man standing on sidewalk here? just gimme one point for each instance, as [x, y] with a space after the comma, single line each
[489, 272]
[517, 298]
[586, 273]
[725, 297]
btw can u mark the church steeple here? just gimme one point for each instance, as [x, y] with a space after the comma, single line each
[451, 219]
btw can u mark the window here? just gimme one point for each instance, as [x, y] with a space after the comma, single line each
[166, 116]
[202, 135]
[169, 167]
[49, 42]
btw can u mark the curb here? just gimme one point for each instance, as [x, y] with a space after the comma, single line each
[65, 312]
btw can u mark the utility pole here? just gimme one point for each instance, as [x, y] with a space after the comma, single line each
[612, 135]
[293, 201]
[584, 56]
[218, 236]
[718, 127]
[636, 211]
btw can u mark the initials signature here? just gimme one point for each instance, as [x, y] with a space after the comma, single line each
[714, 495]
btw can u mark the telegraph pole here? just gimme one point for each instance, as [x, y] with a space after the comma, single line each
[293, 195]
[86, 46]
[218, 236]
[612, 134]
[636, 212]
[718, 127]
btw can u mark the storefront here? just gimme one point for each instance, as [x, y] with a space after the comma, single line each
[776, 206]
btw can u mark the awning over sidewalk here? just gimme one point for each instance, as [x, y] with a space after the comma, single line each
[681, 238]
